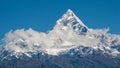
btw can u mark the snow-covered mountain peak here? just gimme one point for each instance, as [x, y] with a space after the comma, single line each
[69, 35]
[69, 13]
[69, 19]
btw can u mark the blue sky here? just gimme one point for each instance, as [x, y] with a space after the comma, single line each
[41, 15]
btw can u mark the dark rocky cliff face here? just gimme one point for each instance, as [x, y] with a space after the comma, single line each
[99, 61]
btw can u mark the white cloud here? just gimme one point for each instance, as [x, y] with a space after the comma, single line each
[56, 40]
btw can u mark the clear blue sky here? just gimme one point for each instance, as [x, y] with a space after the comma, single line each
[41, 15]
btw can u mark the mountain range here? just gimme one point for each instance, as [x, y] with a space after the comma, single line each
[70, 44]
